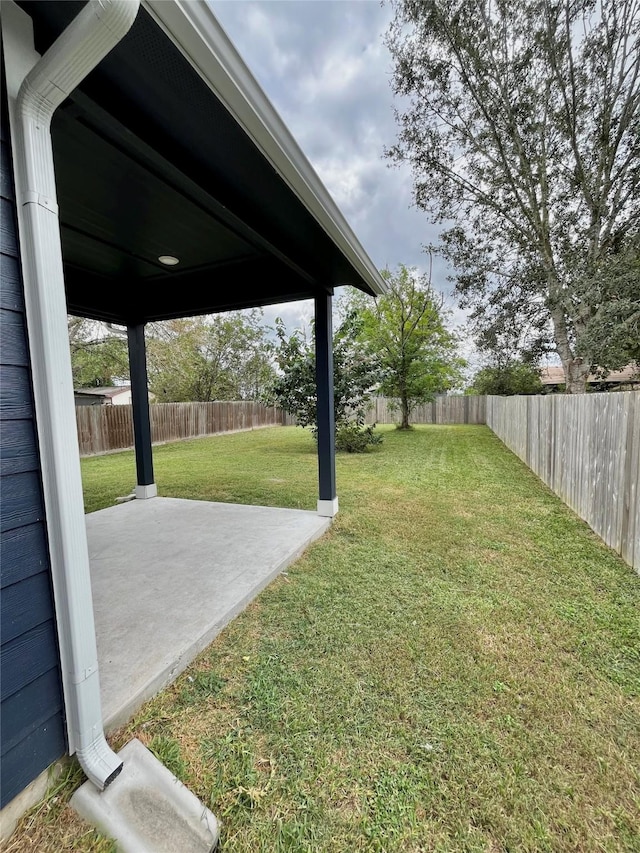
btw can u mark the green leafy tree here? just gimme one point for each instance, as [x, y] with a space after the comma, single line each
[218, 357]
[99, 354]
[354, 375]
[521, 122]
[507, 380]
[611, 338]
[405, 331]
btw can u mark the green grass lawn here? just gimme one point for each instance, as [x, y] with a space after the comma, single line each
[454, 667]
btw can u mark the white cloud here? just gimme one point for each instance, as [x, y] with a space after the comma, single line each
[326, 70]
[295, 315]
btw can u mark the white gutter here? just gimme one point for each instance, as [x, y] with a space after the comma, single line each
[193, 28]
[92, 34]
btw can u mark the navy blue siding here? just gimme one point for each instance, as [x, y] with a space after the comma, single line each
[26, 658]
[45, 739]
[24, 606]
[24, 553]
[13, 346]
[6, 186]
[7, 224]
[11, 295]
[18, 451]
[16, 400]
[32, 704]
[20, 502]
[32, 733]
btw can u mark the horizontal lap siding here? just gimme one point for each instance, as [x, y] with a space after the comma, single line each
[32, 734]
[32, 701]
[45, 741]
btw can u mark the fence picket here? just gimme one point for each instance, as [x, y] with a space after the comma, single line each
[586, 448]
[442, 410]
[105, 428]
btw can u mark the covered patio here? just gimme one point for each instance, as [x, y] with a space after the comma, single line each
[156, 181]
[182, 193]
[169, 574]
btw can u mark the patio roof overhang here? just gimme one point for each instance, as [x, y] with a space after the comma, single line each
[169, 147]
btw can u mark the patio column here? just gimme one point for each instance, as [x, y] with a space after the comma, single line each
[327, 500]
[146, 487]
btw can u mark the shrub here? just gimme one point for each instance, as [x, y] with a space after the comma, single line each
[351, 438]
[355, 374]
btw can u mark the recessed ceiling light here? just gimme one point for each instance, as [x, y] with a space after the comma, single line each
[168, 260]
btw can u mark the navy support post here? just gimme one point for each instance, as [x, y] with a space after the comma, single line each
[146, 487]
[328, 500]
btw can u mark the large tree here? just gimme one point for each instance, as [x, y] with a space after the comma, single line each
[405, 330]
[217, 357]
[612, 334]
[522, 124]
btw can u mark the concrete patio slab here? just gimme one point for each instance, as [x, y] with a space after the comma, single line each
[168, 574]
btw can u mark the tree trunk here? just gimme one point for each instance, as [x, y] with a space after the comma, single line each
[404, 403]
[576, 373]
[575, 369]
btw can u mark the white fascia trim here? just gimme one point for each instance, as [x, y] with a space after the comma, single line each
[36, 87]
[194, 29]
[328, 509]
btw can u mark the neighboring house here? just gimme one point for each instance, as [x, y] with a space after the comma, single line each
[626, 379]
[117, 396]
[177, 190]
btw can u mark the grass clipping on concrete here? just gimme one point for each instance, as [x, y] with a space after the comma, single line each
[455, 666]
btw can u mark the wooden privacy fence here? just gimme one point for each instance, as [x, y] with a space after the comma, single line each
[586, 448]
[443, 410]
[105, 428]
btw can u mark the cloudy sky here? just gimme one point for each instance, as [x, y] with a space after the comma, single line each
[324, 66]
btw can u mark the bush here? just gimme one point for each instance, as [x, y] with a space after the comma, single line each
[355, 373]
[513, 378]
[351, 438]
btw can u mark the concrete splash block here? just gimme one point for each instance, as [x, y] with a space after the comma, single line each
[146, 809]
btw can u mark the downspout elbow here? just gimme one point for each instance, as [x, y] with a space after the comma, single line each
[87, 40]
[92, 34]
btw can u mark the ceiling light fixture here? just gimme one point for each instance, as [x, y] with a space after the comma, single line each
[168, 260]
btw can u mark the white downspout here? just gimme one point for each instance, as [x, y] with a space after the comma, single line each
[92, 34]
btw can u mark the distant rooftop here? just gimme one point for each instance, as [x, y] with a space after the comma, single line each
[106, 391]
[555, 375]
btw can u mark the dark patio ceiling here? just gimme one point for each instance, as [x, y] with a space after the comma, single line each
[150, 162]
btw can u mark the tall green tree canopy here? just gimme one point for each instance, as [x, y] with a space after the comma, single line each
[406, 333]
[521, 122]
[217, 357]
[612, 334]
